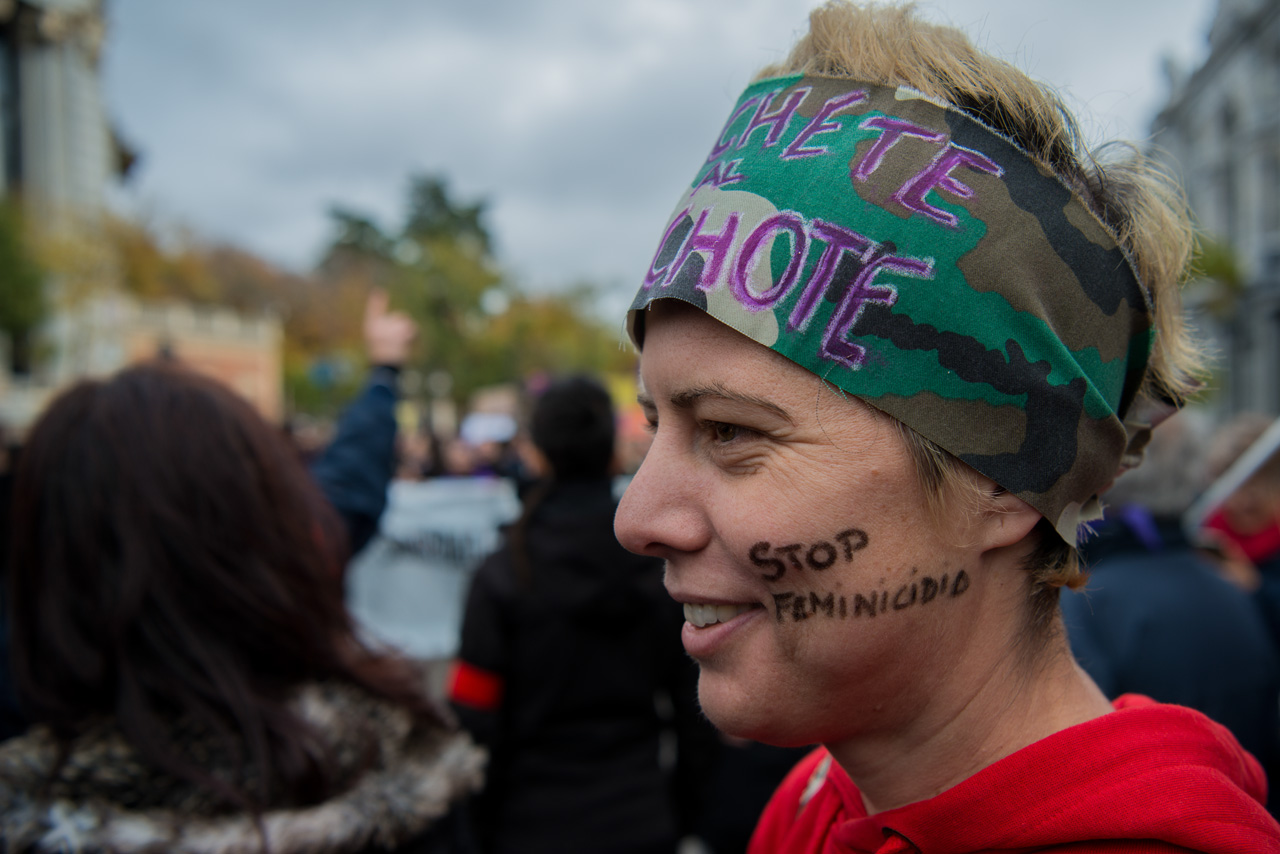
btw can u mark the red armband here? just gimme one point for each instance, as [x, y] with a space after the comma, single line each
[475, 687]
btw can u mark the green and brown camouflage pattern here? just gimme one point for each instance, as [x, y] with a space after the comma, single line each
[911, 256]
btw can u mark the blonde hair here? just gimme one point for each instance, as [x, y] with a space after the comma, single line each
[1131, 194]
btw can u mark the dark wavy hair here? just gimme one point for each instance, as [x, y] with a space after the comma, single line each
[173, 563]
[573, 426]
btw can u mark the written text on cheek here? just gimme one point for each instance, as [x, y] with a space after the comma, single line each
[919, 592]
[816, 556]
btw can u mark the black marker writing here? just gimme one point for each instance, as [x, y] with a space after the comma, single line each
[852, 540]
[802, 606]
[757, 555]
[817, 556]
[790, 551]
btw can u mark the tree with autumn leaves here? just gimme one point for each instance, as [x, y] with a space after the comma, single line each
[475, 326]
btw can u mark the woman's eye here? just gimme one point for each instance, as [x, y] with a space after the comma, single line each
[723, 432]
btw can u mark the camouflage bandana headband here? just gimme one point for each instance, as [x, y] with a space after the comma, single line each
[913, 257]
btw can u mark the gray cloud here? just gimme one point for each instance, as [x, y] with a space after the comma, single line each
[578, 121]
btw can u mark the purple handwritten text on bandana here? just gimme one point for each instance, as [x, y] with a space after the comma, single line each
[819, 124]
[937, 175]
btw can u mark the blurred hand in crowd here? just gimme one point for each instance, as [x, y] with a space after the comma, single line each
[388, 335]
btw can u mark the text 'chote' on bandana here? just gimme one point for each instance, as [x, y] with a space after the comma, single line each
[911, 256]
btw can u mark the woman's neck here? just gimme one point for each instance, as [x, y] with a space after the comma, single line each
[992, 707]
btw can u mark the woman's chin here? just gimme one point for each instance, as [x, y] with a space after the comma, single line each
[742, 715]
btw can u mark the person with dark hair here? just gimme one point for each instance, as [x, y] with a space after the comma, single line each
[567, 643]
[183, 652]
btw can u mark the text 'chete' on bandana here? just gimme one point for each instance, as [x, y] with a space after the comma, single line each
[911, 256]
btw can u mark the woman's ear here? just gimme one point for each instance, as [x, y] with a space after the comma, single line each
[1006, 519]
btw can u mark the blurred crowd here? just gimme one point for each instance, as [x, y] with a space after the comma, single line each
[181, 667]
[1181, 603]
[485, 443]
[184, 673]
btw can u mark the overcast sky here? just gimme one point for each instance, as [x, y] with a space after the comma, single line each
[578, 120]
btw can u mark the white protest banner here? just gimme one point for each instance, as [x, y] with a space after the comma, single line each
[407, 588]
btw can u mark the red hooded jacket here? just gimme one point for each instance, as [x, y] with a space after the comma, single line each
[1145, 779]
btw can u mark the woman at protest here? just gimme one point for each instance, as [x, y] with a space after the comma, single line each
[899, 334]
[182, 648]
[568, 641]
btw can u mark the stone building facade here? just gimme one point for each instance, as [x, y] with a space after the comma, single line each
[1221, 131]
[59, 155]
[56, 144]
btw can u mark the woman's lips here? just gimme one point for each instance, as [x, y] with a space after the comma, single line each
[708, 626]
[706, 615]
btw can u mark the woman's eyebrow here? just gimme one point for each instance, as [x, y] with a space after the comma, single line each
[688, 397]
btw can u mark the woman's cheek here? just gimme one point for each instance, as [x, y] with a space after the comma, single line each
[819, 579]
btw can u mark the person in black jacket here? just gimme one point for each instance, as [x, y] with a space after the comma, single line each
[570, 651]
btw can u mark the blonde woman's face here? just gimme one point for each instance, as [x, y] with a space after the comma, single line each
[823, 600]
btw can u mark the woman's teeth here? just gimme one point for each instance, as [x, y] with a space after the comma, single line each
[705, 615]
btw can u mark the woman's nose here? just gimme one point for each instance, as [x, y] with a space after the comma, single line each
[660, 512]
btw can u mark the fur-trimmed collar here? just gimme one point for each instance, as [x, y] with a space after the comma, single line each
[106, 800]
